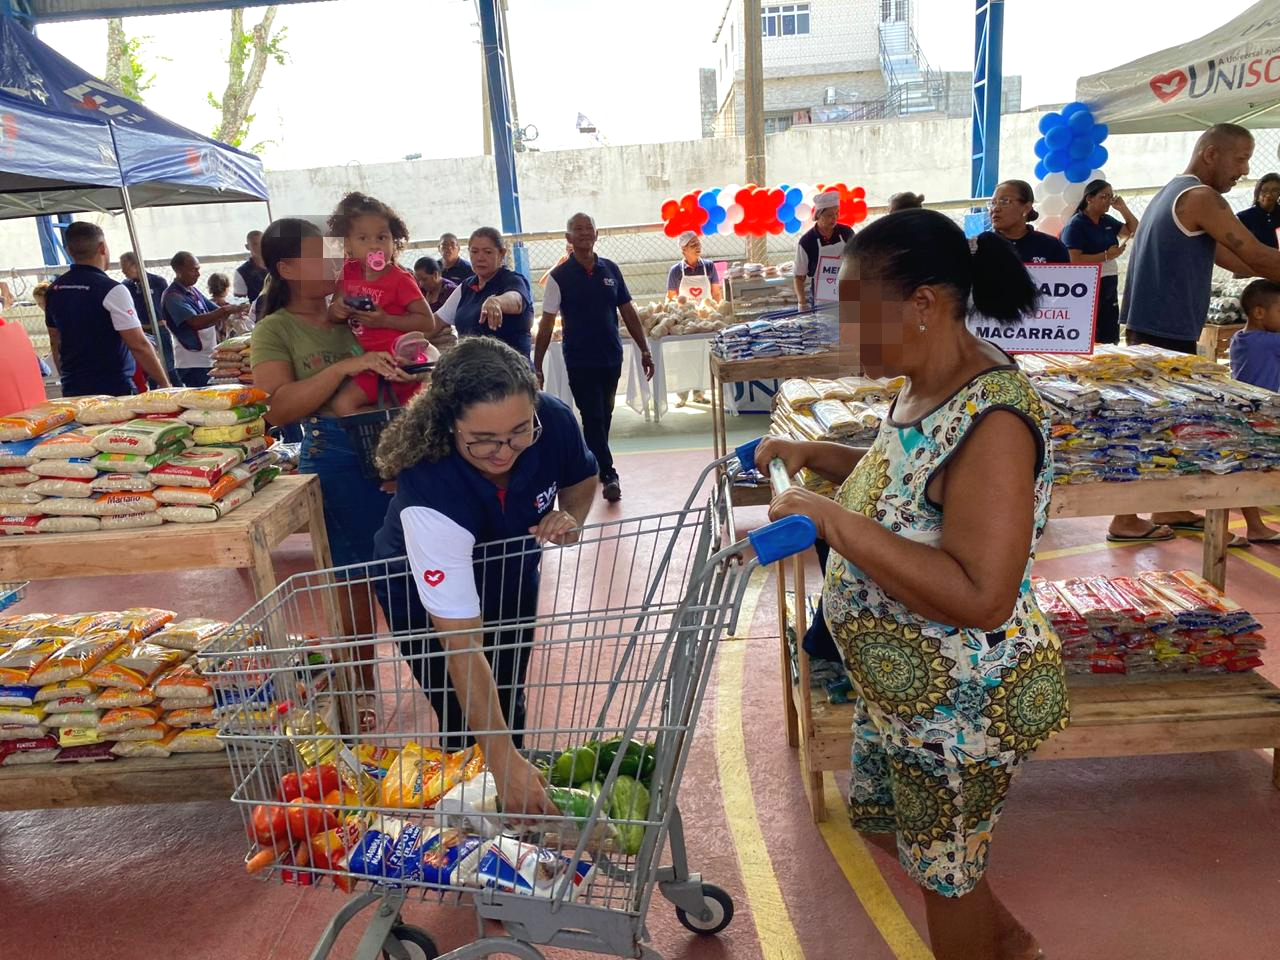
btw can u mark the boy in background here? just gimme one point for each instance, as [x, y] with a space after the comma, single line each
[1255, 359]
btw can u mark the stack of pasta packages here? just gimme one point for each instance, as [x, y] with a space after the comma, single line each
[848, 410]
[1130, 413]
[793, 336]
[231, 362]
[96, 686]
[1154, 622]
[101, 463]
[1224, 304]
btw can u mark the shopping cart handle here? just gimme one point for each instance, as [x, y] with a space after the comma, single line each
[747, 454]
[783, 538]
[779, 479]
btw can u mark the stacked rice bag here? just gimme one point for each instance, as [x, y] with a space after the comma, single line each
[1155, 622]
[231, 362]
[97, 686]
[176, 455]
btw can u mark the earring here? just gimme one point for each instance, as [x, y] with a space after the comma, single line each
[924, 327]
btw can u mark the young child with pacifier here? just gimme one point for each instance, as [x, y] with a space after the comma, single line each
[380, 300]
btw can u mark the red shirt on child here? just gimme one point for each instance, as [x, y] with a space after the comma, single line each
[392, 291]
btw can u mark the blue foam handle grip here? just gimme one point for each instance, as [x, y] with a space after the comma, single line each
[783, 538]
[747, 454]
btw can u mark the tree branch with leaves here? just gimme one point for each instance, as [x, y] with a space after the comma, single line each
[250, 52]
[125, 69]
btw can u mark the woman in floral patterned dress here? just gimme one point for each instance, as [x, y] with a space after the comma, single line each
[928, 592]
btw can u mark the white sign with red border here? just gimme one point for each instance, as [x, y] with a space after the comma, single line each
[1064, 320]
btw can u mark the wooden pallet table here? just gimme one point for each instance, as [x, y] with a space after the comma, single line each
[1111, 716]
[243, 540]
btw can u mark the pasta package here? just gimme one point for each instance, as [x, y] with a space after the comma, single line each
[134, 667]
[164, 400]
[405, 782]
[122, 483]
[58, 487]
[105, 410]
[76, 658]
[136, 462]
[211, 513]
[233, 434]
[77, 469]
[132, 521]
[142, 436]
[197, 467]
[223, 397]
[120, 719]
[64, 446]
[191, 635]
[16, 477]
[224, 418]
[37, 420]
[202, 496]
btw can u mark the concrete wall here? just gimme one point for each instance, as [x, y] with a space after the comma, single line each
[621, 185]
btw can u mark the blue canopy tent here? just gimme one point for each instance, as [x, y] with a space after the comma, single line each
[70, 143]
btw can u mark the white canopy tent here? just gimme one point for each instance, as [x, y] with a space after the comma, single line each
[1231, 75]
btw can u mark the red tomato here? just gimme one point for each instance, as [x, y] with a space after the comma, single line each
[305, 820]
[290, 787]
[269, 824]
[317, 781]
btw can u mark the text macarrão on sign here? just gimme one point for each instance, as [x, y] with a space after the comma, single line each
[1063, 321]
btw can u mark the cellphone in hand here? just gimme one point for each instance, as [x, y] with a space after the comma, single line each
[359, 303]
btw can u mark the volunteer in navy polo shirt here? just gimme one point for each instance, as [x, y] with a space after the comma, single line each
[252, 274]
[1094, 236]
[454, 267]
[1263, 218]
[481, 458]
[589, 293]
[94, 333]
[1012, 211]
[819, 251]
[157, 286]
[494, 301]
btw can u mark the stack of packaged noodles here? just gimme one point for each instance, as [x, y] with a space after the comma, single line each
[1224, 304]
[100, 463]
[794, 336]
[1154, 622]
[1130, 413]
[96, 686]
[231, 361]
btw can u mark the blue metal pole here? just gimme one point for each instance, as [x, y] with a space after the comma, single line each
[504, 144]
[988, 76]
[47, 227]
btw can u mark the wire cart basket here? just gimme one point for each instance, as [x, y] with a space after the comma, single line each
[356, 767]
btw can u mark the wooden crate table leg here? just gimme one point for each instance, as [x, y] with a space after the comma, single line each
[261, 570]
[1216, 537]
[788, 691]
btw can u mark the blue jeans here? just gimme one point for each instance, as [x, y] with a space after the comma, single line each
[354, 508]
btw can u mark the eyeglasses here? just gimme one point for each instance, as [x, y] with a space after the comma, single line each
[484, 449]
[1002, 202]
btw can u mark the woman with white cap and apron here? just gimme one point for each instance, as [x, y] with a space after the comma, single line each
[819, 252]
[696, 279]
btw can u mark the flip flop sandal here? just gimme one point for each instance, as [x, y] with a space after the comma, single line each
[1274, 538]
[1195, 526]
[1148, 537]
[1239, 543]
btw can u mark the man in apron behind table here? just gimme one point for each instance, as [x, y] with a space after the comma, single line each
[819, 251]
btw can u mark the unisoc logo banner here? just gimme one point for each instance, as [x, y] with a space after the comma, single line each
[1063, 321]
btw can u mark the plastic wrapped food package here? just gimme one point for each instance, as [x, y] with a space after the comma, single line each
[59, 487]
[224, 418]
[137, 462]
[196, 740]
[144, 437]
[138, 622]
[76, 658]
[120, 719]
[70, 625]
[158, 749]
[132, 521]
[97, 410]
[67, 524]
[221, 397]
[80, 469]
[197, 467]
[122, 483]
[164, 400]
[192, 635]
[201, 496]
[233, 434]
[135, 666]
[64, 446]
[10, 495]
[16, 626]
[79, 720]
[101, 505]
[34, 421]
[190, 717]
[36, 750]
[153, 731]
[208, 514]
[17, 510]
[112, 697]
[20, 660]
[16, 477]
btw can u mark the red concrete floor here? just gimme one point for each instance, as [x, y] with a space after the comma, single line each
[1142, 858]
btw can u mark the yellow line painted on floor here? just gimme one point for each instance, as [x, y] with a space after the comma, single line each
[868, 883]
[1251, 558]
[774, 929]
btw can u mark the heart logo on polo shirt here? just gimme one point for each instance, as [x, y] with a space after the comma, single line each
[695, 291]
[1166, 86]
[433, 577]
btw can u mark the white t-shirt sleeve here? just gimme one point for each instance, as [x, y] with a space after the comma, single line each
[238, 287]
[449, 312]
[802, 261]
[551, 296]
[120, 305]
[440, 554]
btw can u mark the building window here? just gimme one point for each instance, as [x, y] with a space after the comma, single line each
[785, 20]
[893, 11]
[777, 124]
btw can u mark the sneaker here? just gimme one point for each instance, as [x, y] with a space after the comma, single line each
[612, 490]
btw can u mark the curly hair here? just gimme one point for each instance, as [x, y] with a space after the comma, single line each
[356, 204]
[477, 370]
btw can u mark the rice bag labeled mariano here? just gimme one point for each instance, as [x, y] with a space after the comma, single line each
[135, 666]
[136, 462]
[40, 750]
[37, 420]
[191, 635]
[122, 483]
[144, 437]
[80, 469]
[515, 867]
[76, 659]
[231, 434]
[65, 446]
[16, 477]
[223, 397]
[197, 467]
[224, 418]
[132, 521]
[199, 496]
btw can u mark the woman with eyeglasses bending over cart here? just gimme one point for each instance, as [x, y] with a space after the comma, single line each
[479, 458]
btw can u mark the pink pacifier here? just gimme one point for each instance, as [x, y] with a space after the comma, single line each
[377, 260]
[413, 348]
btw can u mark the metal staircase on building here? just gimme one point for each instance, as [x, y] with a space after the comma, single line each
[913, 87]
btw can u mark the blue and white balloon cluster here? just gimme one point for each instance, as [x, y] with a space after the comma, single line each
[1070, 153]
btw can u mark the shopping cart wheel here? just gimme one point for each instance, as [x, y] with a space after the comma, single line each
[414, 942]
[718, 912]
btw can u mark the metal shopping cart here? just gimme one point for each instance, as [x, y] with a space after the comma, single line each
[616, 652]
